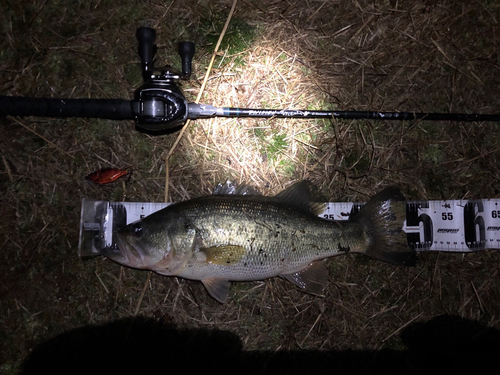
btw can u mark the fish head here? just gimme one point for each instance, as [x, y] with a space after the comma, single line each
[161, 245]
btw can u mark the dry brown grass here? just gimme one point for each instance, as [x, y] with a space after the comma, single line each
[344, 54]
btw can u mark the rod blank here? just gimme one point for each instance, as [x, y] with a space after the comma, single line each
[353, 115]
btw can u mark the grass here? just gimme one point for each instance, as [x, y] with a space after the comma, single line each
[239, 37]
[276, 144]
[340, 56]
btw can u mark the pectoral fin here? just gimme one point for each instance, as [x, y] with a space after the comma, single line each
[224, 254]
[311, 279]
[218, 288]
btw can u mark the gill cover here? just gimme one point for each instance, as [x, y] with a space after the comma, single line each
[162, 242]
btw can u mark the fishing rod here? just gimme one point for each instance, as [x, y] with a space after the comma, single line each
[160, 107]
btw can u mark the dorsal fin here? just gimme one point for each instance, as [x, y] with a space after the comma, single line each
[246, 189]
[230, 188]
[300, 194]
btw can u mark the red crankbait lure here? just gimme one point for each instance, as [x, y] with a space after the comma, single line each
[106, 175]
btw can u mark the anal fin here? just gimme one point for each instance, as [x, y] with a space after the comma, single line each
[217, 288]
[311, 279]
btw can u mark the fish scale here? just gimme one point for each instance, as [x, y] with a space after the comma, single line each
[265, 229]
[222, 238]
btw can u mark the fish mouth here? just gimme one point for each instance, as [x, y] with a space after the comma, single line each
[129, 252]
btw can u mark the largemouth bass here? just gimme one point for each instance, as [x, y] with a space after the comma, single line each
[223, 238]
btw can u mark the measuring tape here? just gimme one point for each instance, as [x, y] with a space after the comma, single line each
[455, 225]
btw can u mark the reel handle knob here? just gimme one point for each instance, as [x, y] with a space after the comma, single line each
[146, 37]
[186, 52]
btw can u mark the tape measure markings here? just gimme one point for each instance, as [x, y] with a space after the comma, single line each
[455, 225]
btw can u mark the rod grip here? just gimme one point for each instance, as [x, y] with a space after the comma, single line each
[114, 109]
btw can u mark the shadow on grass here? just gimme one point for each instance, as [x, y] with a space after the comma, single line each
[144, 346]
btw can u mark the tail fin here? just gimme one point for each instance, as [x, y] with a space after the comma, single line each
[382, 220]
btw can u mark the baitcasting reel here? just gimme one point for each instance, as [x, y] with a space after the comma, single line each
[159, 103]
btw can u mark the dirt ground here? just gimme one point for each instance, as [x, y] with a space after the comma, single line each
[415, 55]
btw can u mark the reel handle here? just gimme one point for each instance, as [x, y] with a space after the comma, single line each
[146, 37]
[186, 52]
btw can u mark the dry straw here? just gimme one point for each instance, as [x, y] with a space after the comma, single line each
[408, 56]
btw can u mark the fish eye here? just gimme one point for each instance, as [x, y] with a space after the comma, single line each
[136, 229]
